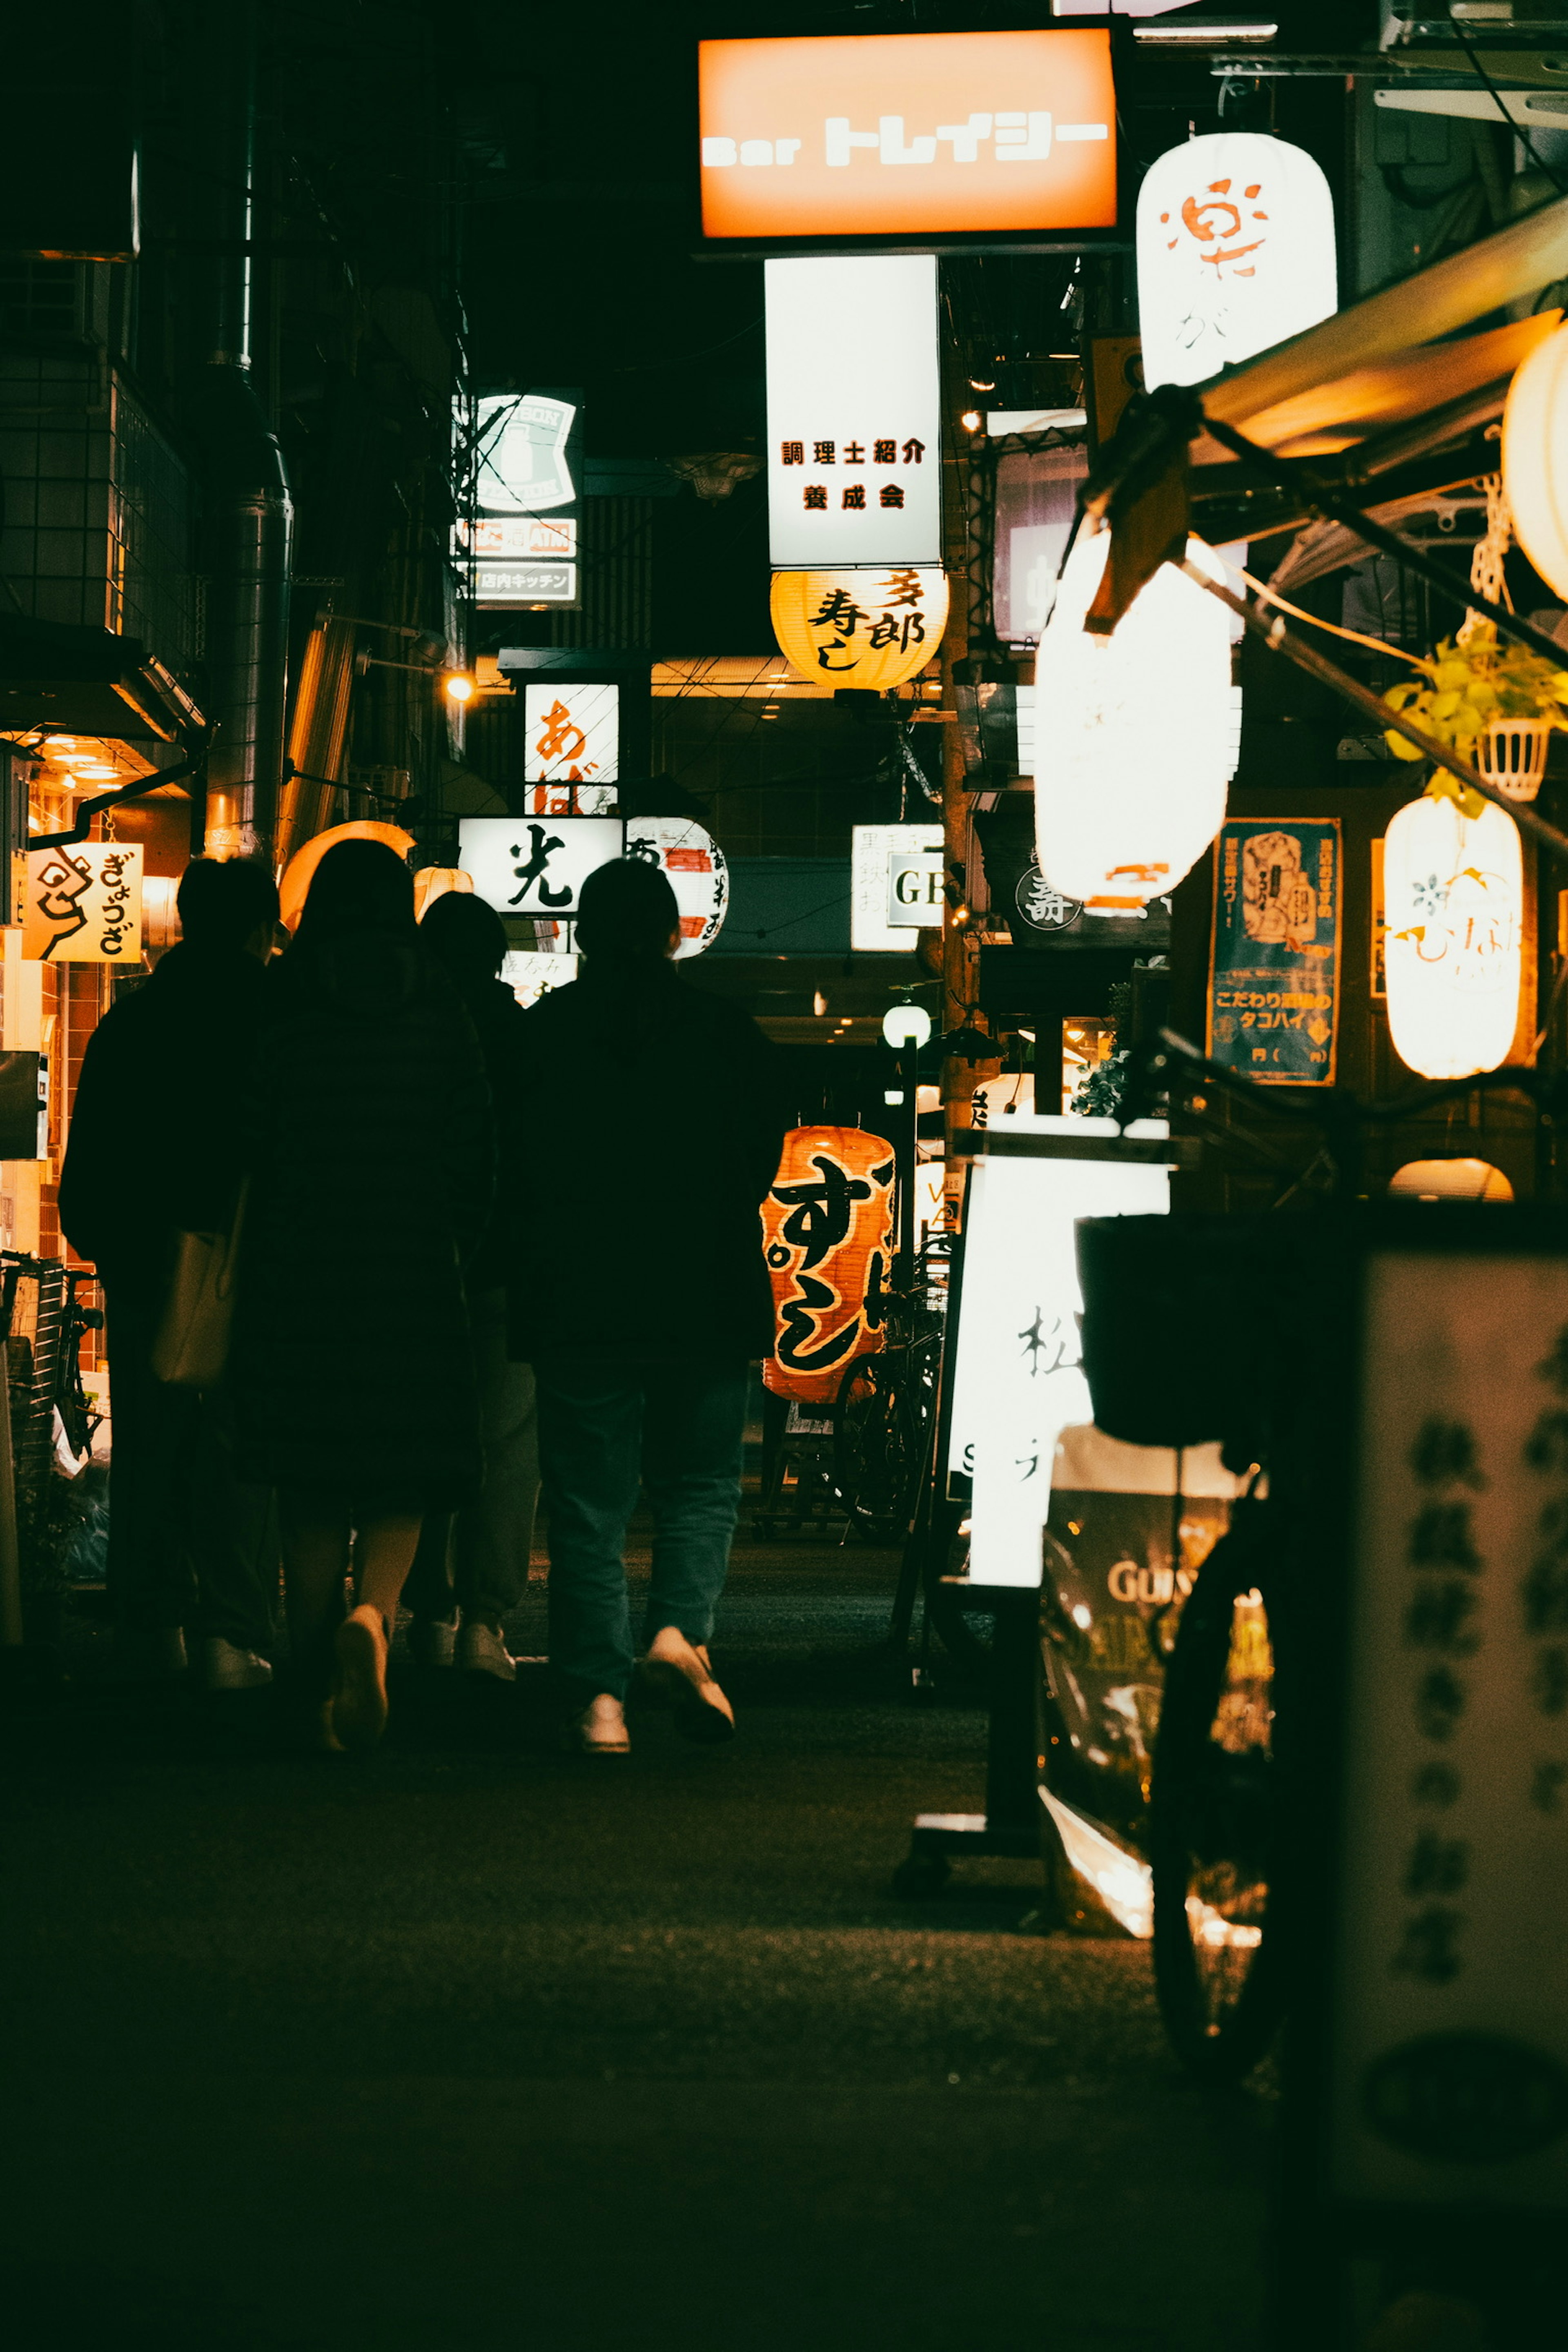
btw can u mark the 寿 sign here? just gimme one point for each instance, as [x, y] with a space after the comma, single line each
[854, 412]
[536, 865]
[1273, 1007]
[81, 903]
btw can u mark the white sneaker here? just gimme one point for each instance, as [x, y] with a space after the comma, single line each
[601, 1729]
[481, 1651]
[225, 1667]
[677, 1674]
[432, 1641]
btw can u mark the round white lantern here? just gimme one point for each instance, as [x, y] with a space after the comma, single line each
[1133, 735]
[1535, 458]
[1235, 253]
[1453, 894]
[694, 865]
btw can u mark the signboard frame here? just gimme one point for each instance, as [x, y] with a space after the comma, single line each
[1286, 988]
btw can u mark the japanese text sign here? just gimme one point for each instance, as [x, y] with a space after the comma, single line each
[863, 629]
[1451, 2039]
[696, 869]
[536, 865]
[907, 135]
[854, 412]
[1273, 1008]
[570, 733]
[875, 851]
[828, 1230]
[81, 903]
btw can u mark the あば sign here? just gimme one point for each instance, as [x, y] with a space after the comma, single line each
[907, 135]
[1274, 976]
[694, 865]
[828, 1234]
[854, 412]
[571, 733]
[80, 903]
[536, 865]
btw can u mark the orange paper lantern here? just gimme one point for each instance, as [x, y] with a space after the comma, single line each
[294, 886]
[828, 1227]
[433, 882]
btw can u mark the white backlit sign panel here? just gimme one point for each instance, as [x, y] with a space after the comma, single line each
[525, 583]
[536, 865]
[530, 975]
[915, 890]
[876, 850]
[570, 733]
[854, 412]
[524, 465]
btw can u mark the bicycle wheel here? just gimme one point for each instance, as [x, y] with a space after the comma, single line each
[877, 1432]
[1213, 1818]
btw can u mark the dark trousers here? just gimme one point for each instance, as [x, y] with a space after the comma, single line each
[189, 1543]
[477, 1558]
[605, 1428]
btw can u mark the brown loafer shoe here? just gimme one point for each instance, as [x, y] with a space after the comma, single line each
[359, 1701]
[676, 1674]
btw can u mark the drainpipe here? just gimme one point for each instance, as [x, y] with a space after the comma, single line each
[249, 514]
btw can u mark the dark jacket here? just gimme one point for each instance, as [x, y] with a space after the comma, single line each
[154, 1143]
[498, 1023]
[371, 1160]
[654, 1136]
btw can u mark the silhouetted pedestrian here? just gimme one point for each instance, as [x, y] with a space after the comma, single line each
[373, 1166]
[154, 1149]
[641, 1295]
[476, 1560]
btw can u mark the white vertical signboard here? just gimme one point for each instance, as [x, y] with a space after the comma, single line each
[571, 748]
[880, 856]
[854, 412]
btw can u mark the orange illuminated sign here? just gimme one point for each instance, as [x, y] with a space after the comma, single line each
[907, 135]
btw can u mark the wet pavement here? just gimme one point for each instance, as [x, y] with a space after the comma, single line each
[476, 2044]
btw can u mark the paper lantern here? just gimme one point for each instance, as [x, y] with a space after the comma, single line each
[1235, 253]
[300, 871]
[1133, 734]
[1535, 458]
[1452, 895]
[433, 882]
[870, 630]
[828, 1230]
[695, 867]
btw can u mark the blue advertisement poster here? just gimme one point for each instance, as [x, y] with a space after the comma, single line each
[1274, 974]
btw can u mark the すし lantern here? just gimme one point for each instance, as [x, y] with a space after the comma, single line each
[1535, 458]
[1235, 253]
[828, 1232]
[870, 630]
[1133, 737]
[695, 867]
[1453, 895]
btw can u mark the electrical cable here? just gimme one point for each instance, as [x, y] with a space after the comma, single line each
[1503, 115]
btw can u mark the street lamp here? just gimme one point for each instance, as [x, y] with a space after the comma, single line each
[459, 686]
[906, 1028]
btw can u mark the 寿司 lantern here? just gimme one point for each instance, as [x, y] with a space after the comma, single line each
[294, 887]
[1235, 253]
[828, 1232]
[1132, 733]
[433, 882]
[1452, 895]
[1535, 460]
[871, 630]
[695, 867]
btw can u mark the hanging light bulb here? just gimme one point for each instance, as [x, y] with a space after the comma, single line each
[1453, 903]
[1535, 458]
[1235, 253]
[1132, 733]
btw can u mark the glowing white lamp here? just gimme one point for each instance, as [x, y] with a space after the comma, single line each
[1535, 458]
[1235, 253]
[1454, 904]
[1133, 734]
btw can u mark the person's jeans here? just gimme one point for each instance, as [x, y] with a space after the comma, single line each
[477, 1558]
[189, 1543]
[676, 1428]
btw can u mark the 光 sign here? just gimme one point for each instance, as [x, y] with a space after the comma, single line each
[854, 412]
[907, 135]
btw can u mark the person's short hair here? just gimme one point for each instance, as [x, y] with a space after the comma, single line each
[466, 932]
[626, 908]
[223, 901]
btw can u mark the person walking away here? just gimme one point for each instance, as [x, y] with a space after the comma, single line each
[372, 1172]
[154, 1149]
[641, 1295]
[477, 1558]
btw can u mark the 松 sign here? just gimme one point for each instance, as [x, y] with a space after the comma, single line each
[536, 865]
[854, 412]
[81, 904]
[879, 855]
[907, 135]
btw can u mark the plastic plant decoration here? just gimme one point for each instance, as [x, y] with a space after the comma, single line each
[1470, 682]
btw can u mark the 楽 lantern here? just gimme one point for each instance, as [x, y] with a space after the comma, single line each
[870, 630]
[1235, 253]
[1535, 458]
[828, 1232]
[1133, 735]
[1453, 892]
[695, 867]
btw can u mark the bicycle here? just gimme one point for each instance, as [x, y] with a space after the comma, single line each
[884, 1408]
